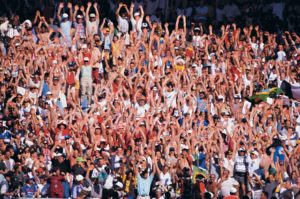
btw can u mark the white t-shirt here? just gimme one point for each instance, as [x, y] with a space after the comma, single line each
[197, 41]
[229, 164]
[254, 165]
[96, 172]
[141, 110]
[92, 27]
[281, 55]
[227, 185]
[109, 182]
[240, 163]
[171, 98]
[165, 179]
[123, 24]
[136, 25]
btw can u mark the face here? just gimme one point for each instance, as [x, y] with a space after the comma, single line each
[92, 19]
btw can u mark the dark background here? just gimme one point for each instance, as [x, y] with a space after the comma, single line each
[256, 12]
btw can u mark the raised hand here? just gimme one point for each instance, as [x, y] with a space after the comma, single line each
[147, 18]
[89, 4]
[76, 8]
[82, 8]
[251, 27]
[223, 28]
[38, 13]
[61, 5]
[70, 5]
[234, 26]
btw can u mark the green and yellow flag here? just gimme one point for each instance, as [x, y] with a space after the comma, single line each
[264, 95]
[198, 171]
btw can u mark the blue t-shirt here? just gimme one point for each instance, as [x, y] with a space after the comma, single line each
[143, 185]
[201, 105]
[29, 190]
[45, 89]
[279, 154]
[6, 134]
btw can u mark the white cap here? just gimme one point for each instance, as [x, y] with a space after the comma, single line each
[89, 188]
[54, 61]
[254, 152]
[48, 93]
[86, 59]
[65, 15]
[79, 16]
[92, 15]
[84, 46]
[28, 22]
[58, 154]
[233, 190]
[282, 137]
[119, 184]
[136, 14]
[79, 177]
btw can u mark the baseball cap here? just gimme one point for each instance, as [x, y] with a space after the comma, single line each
[79, 178]
[233, 190]
[65, 15]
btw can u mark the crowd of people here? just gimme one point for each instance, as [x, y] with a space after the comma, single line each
[92, 107]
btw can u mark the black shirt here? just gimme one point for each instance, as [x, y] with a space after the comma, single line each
[64, 166]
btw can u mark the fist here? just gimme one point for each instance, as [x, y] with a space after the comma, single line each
[166, 25]
[69, 5]
[61, 5]
[82, 8]
[95, 4]
[89, 4]
[76, 7]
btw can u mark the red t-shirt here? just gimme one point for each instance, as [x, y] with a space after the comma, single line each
[56, 187]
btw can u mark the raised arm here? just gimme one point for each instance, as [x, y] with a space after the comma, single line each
[118, 9]
[95, 5]
[61, 5]
[87, 16]
[131, 10]
[76, 8]
[70, 6]
[142, 11]
[177, 23]
[184, 24]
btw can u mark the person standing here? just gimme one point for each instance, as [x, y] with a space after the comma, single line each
[65, 23]
[86, 80]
